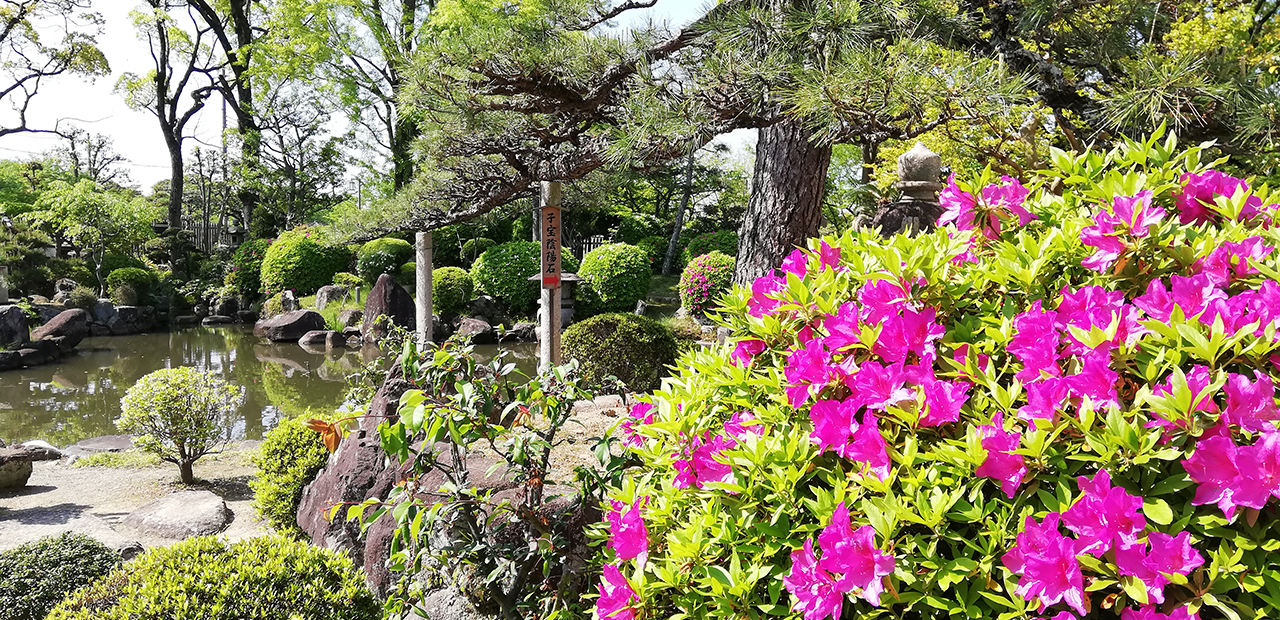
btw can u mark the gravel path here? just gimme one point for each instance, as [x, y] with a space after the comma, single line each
[94, 500]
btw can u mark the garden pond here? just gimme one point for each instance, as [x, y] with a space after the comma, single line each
[80, 397]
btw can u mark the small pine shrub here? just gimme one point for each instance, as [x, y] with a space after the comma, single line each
[347, 279]
[635, 349]
[124, 295]
[246, 266]
[289, 459]
[636, 226]
[705, 279]
[615, 277]
[301, 260]
[143, 282]
[451, 289]
[723, 241]
[203, 578]
[473, 248]
[83, 297]
[503, 271]
[36, 576]
[655, 248]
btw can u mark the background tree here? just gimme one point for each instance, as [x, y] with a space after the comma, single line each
[92, 155]
[40, 39]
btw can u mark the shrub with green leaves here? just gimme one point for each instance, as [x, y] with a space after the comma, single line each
[723, 241]
[635, 349]
[655, 248]
[178, 414]
[1060, 403]
[399, 249]
[82, 297]
[302, 260]
[142, 282]
[451, 290]
[407, 275]
[503, 271]
[636, 226]
[347, 279]
[246, 266]
[36, 576]
[290, 457]
[203, 578]
[112, 262]
[614, 278]
[473, 248]
[705, 280]
[385, 255]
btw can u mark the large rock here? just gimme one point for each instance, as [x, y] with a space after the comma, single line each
[489, 309]
[351, 317]
[65, 285]
[103, 310]
[48, 310]
[315, 338]
[10, 360]
[15, 468]
[246, 316]
[289, 301]
[477, 331]
[40, 450]
[290, 326]
[388, 304]
[329, 294]
[227, 307]
[522, 332]
[41, 351]
[13, 326]
[182, 514]
[70, 324]
[133, 320]
[217, 319]
[95, 445]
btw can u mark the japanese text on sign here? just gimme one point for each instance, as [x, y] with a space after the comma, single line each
[550, 247]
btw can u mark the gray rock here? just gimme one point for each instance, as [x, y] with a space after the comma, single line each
[334, 340]
[227, 307]
[10, 360]
[919, 164]
[72, 324]
[103, 310]
[137, 319]
[449, 603]
[40, 450]
[641, 308]
[61, 345]
[99, 329]
[290, 326]
[39, 299]
[201, 310]
[65, 285]
[722, 334]
[315, 338]
[526, 331]
[40, 352]
[477, 331]
[246, 316]
[15, 468]
[186, 320]
[182, 514]
[95, 445]
[217, 319]
[490, 310]
[48, 310]
[129, 549]
[329, 294]
[388, 304]
[13, 326]
[289, 301]
[351, 317]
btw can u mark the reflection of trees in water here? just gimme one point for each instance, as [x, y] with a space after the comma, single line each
[80, 397]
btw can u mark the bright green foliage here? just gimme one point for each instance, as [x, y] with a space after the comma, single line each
[22, 251]
[301, 260]
[635, 349]
[407, 274]
[36, 576]
[615, 277]
[381, 256]
[399, 249]
[72, 268]
[203, 578]
[141, 280]
[273, 306]
[704, 281]
[722, 546]
[347, 279]
[177, 413]
[82, 297]
[288, 460]
[655, 248]
[636, 226]
[723, 241]
[473, 248]
[451, 290]
[503, 271]
[246, 266]
[112, 262]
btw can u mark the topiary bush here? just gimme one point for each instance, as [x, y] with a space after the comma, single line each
[1059, 403]
[723, 241]
[124, 295]
[142, 282]
[374, 263]
[203, 578]
[290, 457]
[82, 297]
[473, 248]
[451, 290]
[636, 226]
[36, 576]
[504, 270]
[704, 281]
[246, 266]
[346, 279]
[399, 249]
[635, 349]
[655, 248]
[407, 275]
[614, 278]
[301, 260]
[112, 262]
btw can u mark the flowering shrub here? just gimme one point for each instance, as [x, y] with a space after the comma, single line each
[301, 259]
[705, 280]
[1060, 403]
[723, 241]
[246, 266]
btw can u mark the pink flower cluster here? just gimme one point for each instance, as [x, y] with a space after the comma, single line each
[967, 212]
[1001, 462]
[698, 463]
[1130, 216]
[763, 300]
[617, 598]
[850, 564]
[1104, 519]
[1232, 475]
[640, 413]
[1230, 261]
[1199, 298]
[1199, 190]
[628, 536]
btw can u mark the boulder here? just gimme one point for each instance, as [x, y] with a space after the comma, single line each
[186, 320]
[217, 319]
[290, 326]
[334, 340]
[65, 285]
[40, 352]
[98, 329]
[227, 307]
[40, 450]
[182, 514]
[388, 304]
[522, 332]
[71, 324]
[441, 330]
[95, 445]
[15, 468]
[13, 326]
[39, 299]
[103, 310]
[490, 310]
[351, 317]
[48, 310]
[329, 294]
[62, 345]
[246, 316]
[289, 301]
[137, 319]
[315, 338]
[477, 331]
[10, 360]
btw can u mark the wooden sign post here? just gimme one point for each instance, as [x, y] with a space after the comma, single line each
[550, 228]
[423, 289]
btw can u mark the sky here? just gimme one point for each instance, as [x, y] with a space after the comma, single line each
[94, 106]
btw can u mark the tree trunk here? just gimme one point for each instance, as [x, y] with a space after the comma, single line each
[185, 471]
[679, 223]
[176, 177]
[785, 207]
[401, 156]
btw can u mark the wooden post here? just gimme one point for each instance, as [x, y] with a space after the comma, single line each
[424, 289]
[550, 227]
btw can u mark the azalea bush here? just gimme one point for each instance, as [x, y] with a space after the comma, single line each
[1060, 403]
[703, 282]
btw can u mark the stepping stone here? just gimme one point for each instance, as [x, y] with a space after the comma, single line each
[182, 514]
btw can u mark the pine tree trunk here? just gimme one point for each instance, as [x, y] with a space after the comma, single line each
[785, 207]
[670, 258]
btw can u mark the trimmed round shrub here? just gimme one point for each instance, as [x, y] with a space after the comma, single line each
[656, 249]
[723, 241]
[614, 278]
[112, 262]
[290, 457]
[1051, 406]
[203, 578]
[399, 248]
[503, 271]
[140, 280]
[178, 414]
[706, 279]
[371, 265]
[246, 266]
[635, 349]
[83, 297]
[407, 275]
[297, 260]
[636, 226]
[124, 295]
[36, 576]
[473, 248]
[451, 289]
[347, 279]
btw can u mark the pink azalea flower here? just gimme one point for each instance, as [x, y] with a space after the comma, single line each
[961, 355]
[796, 262]
[1137, 213]
[699, 464]
[1131, 214]
[880, 299]
[833, 423]
[814, 589]
[943, 399]
[958, 206]
[1251, 405]
[1131, 560]
[738, 426]
[843, 327]
[829, 257]
[879, 386]
[1010, 194]
[854, 554]
[763, 302]
[1093, 306]
[1001, 464]
[1259, 467]
[868, 446]
[746, 350]
[1096, 380]
[628, 536]
[616, 596]
[909, 332]
[1034, 540]
[641, 413]
[1035, 343]
[1102, 237]
[807, 367]
[1156, 302]
[1231, 260]
[1199, 190]
[1151, 613]
[1053, 575]
[1044, 398]
[1168, 555]
[1213, 467]
[1104, 515]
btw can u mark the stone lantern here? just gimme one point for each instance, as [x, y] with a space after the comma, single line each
[919, 173]
[568, 282]
[235, 235]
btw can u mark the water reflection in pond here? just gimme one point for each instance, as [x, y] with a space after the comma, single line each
[80, 396]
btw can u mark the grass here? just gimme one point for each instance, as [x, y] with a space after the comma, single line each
[664, 286]
[129, 459]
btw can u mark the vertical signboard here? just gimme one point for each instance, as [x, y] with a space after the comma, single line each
[551, 267]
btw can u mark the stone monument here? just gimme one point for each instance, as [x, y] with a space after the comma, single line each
[919, 172]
